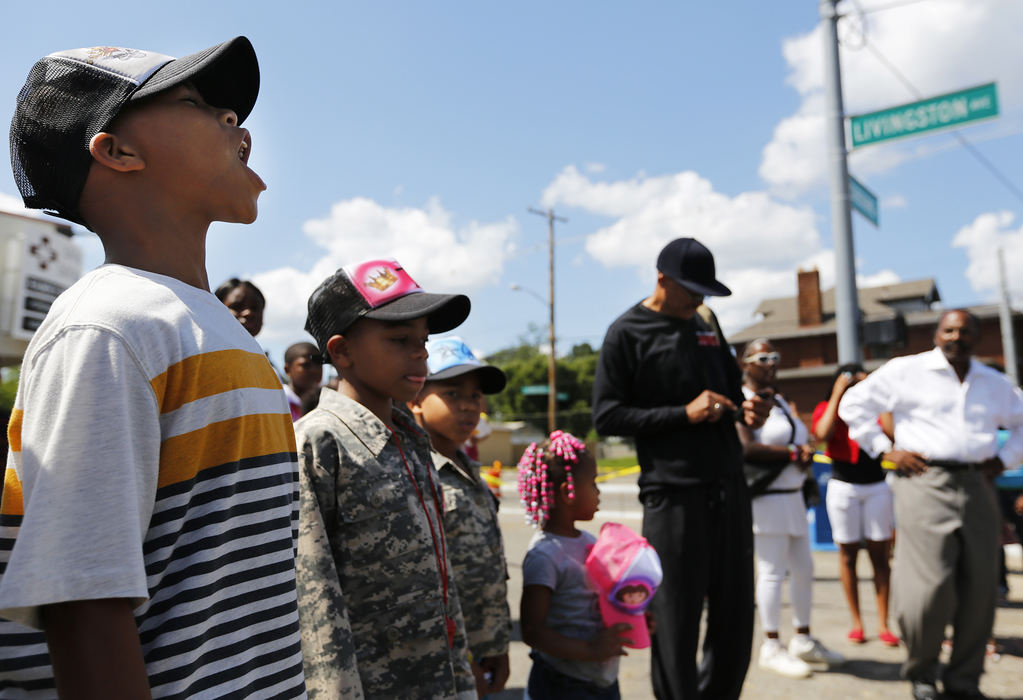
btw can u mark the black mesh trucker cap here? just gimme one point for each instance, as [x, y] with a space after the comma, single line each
[379, 289]
[70, 96]
[691, 264]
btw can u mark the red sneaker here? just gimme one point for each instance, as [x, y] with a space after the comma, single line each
[856, 636]
[888, 639]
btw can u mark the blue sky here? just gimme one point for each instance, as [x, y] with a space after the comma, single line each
[424, 131]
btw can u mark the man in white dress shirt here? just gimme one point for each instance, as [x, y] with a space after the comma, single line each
[947, 410]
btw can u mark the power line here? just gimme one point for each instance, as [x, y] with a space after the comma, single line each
[970, 148]
[889, 6]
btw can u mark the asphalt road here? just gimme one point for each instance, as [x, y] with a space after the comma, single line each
[871, 669]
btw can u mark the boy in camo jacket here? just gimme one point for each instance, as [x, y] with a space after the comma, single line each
[378, 608]
[448, 408]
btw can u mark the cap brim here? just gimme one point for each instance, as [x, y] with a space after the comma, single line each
[226, 75]
[639, 634]
[492, 379]
[443, 311]
[715, 289]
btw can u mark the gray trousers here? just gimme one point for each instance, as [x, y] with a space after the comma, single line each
[945, 571]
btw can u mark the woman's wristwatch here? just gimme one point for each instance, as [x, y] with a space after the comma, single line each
[793, 452]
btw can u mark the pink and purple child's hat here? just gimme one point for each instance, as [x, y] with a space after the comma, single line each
[626, 571]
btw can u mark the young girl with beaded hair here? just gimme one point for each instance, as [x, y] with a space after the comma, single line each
[574, 654]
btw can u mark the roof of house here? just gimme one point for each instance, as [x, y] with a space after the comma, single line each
[780, 316]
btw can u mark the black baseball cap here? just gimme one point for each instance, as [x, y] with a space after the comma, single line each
[450, 357]
[70, 96]
[691, 264]
[379, 289]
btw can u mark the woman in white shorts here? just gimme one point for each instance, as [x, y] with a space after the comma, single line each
[859, 505]
[778, 460]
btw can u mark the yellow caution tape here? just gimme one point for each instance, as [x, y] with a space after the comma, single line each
[627, 471]
[492, 477]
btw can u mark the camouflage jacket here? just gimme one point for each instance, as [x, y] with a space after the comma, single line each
[477, 554]
[370, 597]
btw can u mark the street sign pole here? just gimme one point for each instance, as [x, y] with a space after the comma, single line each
[847, 311]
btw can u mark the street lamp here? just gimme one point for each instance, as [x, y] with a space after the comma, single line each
[536, 295]
[552, 400]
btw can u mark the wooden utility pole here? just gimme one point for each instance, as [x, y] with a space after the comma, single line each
[552, 388]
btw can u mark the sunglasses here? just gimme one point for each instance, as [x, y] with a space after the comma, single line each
[765, 358]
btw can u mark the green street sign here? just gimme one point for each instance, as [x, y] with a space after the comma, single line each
[939, 112]
[541, 390]
[863, 200]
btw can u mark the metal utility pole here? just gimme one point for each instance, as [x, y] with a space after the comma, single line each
[552, 387]
[1005, 316]
[847, 310]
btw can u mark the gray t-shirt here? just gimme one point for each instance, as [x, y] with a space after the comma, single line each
[559, 564]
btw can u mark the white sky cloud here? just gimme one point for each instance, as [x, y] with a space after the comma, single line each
[896, 201]
[757, 242]
[652, 210]
[359, 229]
[938, 46]
[877, 279]
[982, 239]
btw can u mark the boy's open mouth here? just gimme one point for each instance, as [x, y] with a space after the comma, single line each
[245, 148]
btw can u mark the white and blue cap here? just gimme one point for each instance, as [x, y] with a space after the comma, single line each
[70, 96]
[450, 357]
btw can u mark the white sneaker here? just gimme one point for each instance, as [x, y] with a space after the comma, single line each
[773, 657]
[810, 650]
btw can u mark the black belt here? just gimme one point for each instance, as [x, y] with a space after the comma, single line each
[953, 465]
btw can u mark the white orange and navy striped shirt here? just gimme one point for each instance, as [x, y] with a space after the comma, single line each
[152, 458]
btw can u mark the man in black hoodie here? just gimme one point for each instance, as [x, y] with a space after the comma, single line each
[667, 378]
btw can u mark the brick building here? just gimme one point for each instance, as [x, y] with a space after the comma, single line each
[896, 319]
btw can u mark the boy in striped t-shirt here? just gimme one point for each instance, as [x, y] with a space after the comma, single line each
[148, 511]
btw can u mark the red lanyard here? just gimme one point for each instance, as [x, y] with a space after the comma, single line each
[439, 551]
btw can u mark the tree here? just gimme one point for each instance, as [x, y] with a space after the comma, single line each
[8, 388]
[525, 365]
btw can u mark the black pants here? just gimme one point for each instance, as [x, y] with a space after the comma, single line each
[548, 683]
[704, 536]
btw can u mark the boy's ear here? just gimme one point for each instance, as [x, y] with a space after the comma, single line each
[112, 151]
[337, 346]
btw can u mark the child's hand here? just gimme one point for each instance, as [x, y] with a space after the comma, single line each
[651, 621]
[608, 643]
[497, 671]
[479, 674]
